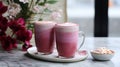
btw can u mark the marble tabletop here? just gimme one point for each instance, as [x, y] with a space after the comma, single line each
[18, 58]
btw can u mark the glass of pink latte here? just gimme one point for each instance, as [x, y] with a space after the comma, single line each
[44, 36]
[67, 35]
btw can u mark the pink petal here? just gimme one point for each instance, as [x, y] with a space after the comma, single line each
[21, 21]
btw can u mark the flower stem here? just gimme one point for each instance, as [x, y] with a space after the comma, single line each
[41, 16]
[37, 2]
[31, 4]
[9, 2]
[12, 1]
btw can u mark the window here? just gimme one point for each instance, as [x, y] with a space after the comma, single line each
[82, 12]
[114, 18]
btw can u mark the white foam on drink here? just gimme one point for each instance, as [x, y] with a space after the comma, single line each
[67, 27]
[45, 24]
[67, 24]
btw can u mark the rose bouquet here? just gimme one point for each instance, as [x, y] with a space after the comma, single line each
[17, 31]
[14, 16]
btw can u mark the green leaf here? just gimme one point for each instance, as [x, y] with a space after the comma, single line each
[52, 1]
[40, 19]
[47, 10]
[41, 4]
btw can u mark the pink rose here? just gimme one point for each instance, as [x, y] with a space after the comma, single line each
[26, 46]
[3, 23]
[17, 25]
[3, 8]
[55, 15]
[8, 43]
[24, 35]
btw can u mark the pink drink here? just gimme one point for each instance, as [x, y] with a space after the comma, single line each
[67, 39]
[44, 36]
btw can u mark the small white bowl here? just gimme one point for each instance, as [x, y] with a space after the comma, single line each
[102, 57]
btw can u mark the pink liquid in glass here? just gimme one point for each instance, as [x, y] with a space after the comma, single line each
[44, 36]
[66, 39]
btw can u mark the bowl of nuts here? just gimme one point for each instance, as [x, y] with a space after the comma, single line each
[102, 54]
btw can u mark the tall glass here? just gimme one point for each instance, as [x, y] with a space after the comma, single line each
[44, 36]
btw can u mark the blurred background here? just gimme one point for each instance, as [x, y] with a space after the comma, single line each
[82, 12]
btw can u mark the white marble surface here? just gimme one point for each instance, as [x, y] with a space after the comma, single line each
[19, 59]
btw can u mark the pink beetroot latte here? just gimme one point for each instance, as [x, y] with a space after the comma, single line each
[66, 39]
[44, 36]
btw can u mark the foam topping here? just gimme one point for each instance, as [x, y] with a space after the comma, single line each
[67, 24]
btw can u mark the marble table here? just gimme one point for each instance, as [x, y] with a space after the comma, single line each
[18, 58]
